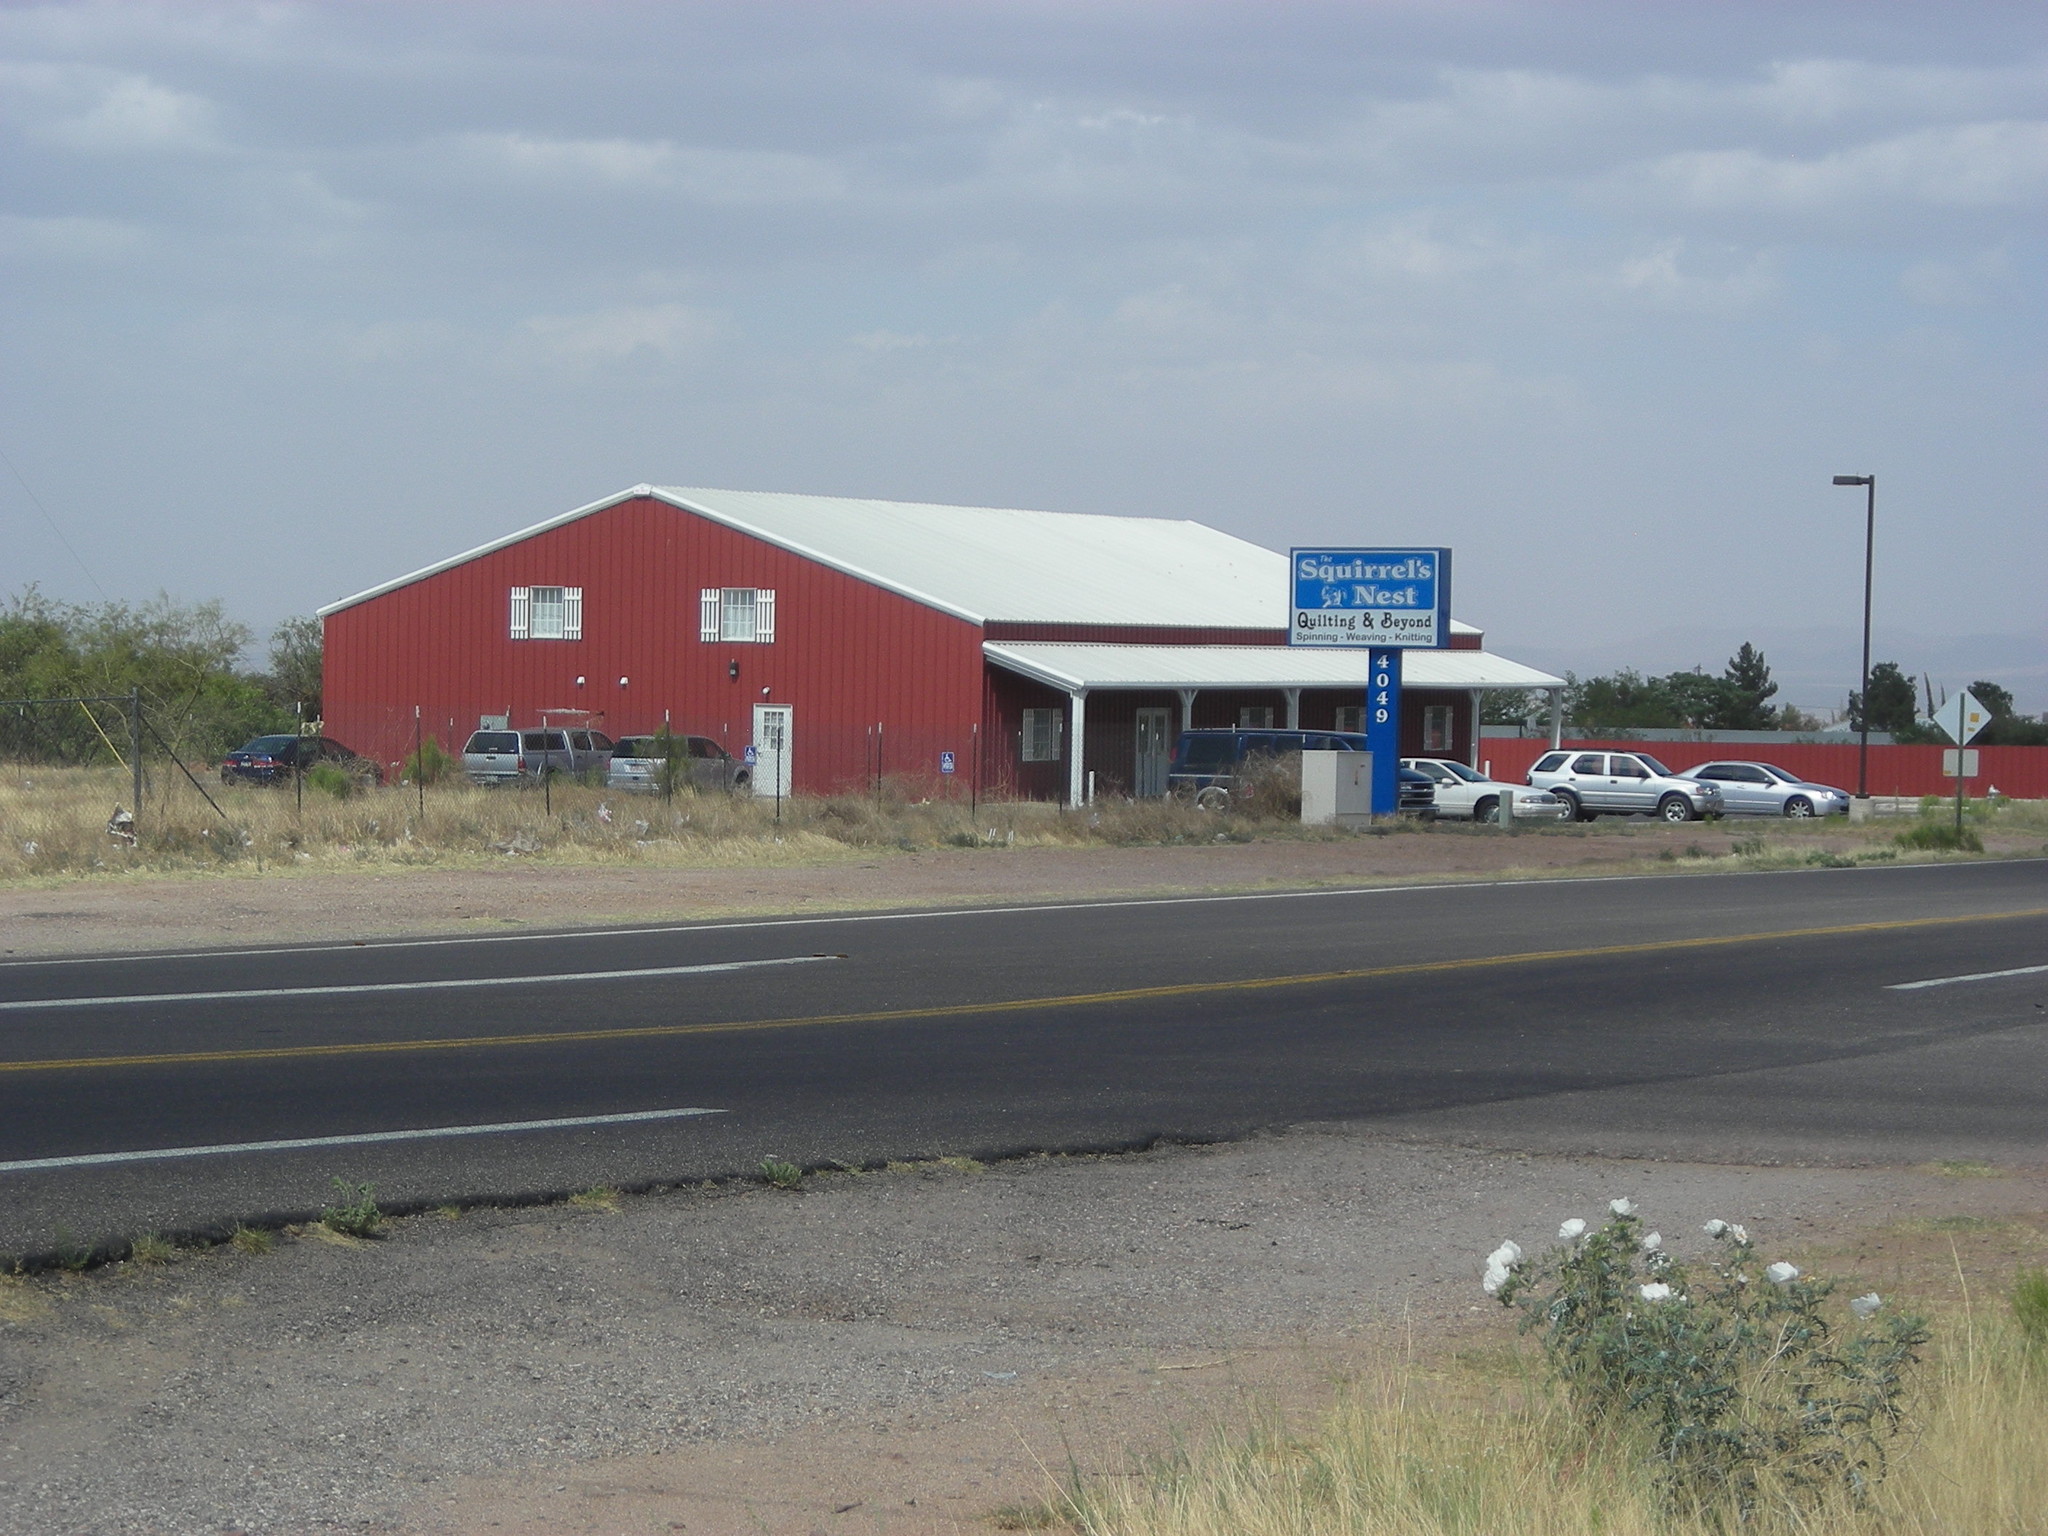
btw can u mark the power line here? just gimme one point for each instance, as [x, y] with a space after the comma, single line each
[55, 529]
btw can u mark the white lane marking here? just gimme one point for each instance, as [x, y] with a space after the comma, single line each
[927, 915]
[405, 986]
[102, 1159]
[1949, 981]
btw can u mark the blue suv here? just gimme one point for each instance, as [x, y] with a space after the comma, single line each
[1205, 763]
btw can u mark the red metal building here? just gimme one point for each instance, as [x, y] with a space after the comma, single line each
[869, 638]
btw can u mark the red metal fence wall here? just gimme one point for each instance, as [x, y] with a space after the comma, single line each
[2021, 772]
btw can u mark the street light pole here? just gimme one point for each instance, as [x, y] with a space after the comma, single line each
[1869, 545]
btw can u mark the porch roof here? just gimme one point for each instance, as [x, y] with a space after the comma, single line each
[1071, 666]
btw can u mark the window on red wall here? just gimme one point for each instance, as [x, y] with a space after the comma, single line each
[546, 613]
[1438, 723]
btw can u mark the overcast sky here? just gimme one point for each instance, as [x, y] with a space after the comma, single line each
[300, 297]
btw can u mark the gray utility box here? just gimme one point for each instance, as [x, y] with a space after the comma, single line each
[1336, 789]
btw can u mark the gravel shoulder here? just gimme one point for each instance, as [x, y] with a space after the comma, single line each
[285, 905]
[897, 1351]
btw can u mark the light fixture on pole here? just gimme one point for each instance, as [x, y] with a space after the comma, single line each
[1869, 544]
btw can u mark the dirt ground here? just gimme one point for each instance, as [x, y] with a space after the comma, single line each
[896, 1353]
[129, 913]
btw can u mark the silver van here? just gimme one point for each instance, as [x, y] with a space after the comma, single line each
[501, 757]
[637, 762]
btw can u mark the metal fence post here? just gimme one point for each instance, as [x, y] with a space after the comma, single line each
[135, 750]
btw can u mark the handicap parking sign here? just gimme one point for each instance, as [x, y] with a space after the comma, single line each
[752, 755]
[945, 762]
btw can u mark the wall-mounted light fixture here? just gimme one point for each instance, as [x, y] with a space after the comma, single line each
[624, 680]
[579, 682]
[764, 693]
[732, 669]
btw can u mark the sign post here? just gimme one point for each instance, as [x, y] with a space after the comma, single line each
[1960, 719]
[1381, 601]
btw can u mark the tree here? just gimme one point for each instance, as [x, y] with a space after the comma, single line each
[295, 655]
[2008, 728]
[1512, 706]
[182, 657]
[1749, 684]
[1625, 701]
[1891, 703]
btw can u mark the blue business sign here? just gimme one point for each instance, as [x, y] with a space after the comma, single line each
[1370, 597]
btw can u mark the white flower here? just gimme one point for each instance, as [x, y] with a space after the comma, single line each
[1865, 1307]
[1499, 1265]
[1716, 1228]
[1652, 1241]
[1739, 1232]
[1782, 1273]
[1656, 1290]
[1571, 1229]
[1623, 1207]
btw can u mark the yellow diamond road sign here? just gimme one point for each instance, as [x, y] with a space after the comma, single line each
[1962, 717]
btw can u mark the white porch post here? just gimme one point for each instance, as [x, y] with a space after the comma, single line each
[1293, 708]
[1478, 708]
[1556, 717]
[1077, 780]
[1187, 709]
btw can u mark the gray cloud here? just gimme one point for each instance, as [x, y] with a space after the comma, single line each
[302, 296]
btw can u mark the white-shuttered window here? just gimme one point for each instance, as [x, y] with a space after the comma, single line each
[547, 613]
[1351, 718]
[1042, 729]
[550, 613]
[736, 615]
[1255, 717]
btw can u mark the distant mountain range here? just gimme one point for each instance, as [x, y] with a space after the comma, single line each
[1815, 668]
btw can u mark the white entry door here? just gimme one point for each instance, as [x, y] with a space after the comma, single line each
[1148, 779]
[772, 726]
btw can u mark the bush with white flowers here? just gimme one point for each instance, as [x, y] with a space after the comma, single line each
[1739, 1374]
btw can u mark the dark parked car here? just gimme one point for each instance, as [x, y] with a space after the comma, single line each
[272, 759]
[1206, 762]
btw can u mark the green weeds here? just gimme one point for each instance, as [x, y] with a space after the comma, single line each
[1741, 1381]
[357, 1214]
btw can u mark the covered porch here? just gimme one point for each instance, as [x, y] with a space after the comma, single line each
[1121, 708]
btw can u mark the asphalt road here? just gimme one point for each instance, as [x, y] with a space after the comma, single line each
[1751, 1017]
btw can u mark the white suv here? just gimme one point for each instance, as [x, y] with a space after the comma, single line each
[1623, 784]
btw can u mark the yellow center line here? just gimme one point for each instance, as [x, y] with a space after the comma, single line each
[971, 1009]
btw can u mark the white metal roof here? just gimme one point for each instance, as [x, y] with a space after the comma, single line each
[1069, 666]
[989, 563]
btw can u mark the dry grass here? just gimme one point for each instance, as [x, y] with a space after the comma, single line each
[1478, 1449]
[55, 825]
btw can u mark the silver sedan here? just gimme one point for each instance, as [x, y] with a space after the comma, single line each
[1764, 789]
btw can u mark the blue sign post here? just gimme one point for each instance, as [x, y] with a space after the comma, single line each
[1383, 731]
[1382, 601]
